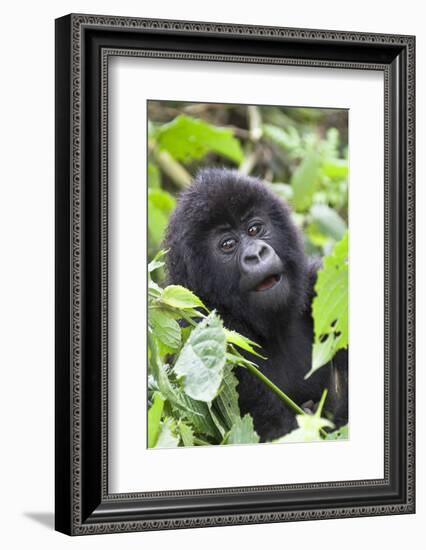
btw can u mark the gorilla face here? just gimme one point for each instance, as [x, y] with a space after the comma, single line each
[233, 243]
[245, 252]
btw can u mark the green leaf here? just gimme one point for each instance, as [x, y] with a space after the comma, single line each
[160, 205]
[154, 177]
[187, 138]
[162, 200]
[327, 221]
[305, 180]
[330, 306]
[197, 413]
[201, 418]
[226, 403]
[157, 223]
[180, 297]
[167, 438]
[156, 262]
[186, 433]
[154, 417]
[336, 169]
[217, 421]
[165, 328]
[234, 337]
[308, 430]
[242, 432]
[341, 433]
[201, 362]
[176, 397]
[154, 290]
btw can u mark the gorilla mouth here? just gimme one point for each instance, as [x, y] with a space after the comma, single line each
[268, 283]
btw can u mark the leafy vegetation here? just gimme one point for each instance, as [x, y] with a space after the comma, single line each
[192, 390]
[330, 306]
[301, 154]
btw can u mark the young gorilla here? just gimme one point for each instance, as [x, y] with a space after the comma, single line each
[233, 243]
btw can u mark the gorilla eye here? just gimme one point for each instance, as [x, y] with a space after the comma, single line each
[254, 229]
[228, 245]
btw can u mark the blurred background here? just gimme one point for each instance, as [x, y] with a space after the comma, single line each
[301, 154]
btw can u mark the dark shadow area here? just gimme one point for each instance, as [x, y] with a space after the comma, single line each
[45, 518]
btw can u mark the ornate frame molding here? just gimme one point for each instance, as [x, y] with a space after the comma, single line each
[85, 507]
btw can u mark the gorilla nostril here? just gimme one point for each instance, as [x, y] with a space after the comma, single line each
[251, 259]
[256, 254]
[264, 252]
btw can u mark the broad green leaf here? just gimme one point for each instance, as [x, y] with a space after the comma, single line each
[305, 181]
[323, 351]
[217, 421]
[176, 397]
[160, 205]
[308, 430]
[180, 297]
[234, 337]
[165, 328]
[200, 419]
[336, 169]
[341, 433]
[226, 403]
[310, 426]
[157, 223]
[201, 362]
[154, 417]
[185, 332]
[327, 221]
[242, 432]
[161, 199]
[154, 177]
[330, 306]
[167, 438]
[187, 138]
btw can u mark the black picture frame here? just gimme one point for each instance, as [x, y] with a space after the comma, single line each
[83, 46]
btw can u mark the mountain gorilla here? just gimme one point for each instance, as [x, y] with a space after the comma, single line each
[233, 243]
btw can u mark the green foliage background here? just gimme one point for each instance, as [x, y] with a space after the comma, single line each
[302, 156]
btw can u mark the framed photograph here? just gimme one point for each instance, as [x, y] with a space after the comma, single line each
[234, 274]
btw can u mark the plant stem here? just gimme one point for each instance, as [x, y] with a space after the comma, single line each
[321, 403]
[284, 397]
[255, 122]
[189, 319]
[172, 168]
[248, 163]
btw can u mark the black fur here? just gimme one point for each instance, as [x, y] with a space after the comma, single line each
[283, 326]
